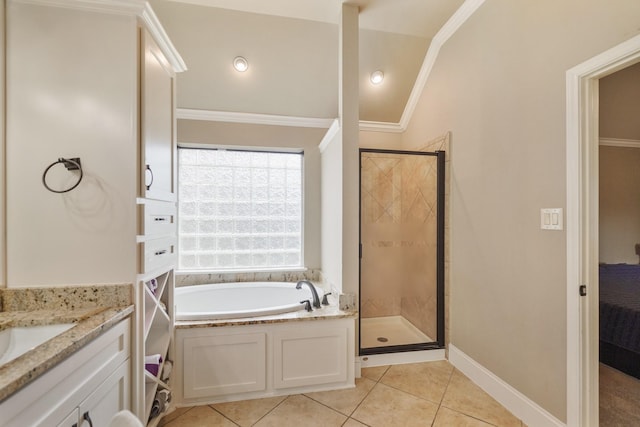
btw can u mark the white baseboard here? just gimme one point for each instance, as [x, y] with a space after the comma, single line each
[401, 358]
[520, 405]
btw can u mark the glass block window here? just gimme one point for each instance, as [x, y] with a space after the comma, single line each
[239, 210]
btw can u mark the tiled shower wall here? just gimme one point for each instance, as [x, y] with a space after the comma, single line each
[399, 208]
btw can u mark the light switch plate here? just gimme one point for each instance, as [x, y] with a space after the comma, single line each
[551, 219]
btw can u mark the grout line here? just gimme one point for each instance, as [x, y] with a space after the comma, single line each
[211, 406]
[272, 409]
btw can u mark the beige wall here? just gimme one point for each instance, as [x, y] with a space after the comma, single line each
[619, 207]
[384, 51]
[293, 64]
[248, 135]
[619, 176]
[620, 104]
[499, 86]
[349, 122]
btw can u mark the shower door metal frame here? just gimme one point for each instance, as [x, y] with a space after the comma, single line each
[440, 255]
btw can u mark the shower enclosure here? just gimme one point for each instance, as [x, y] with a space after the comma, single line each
[401, 250]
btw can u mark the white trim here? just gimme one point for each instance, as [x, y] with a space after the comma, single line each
[252, 118]
[517, 403]
[617, 142]
[402, 358]
[156, 29]
[328, 137]
[122, 7]
[139, 8]
[381, 127]
[582, 226]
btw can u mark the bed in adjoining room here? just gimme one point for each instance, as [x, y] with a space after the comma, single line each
[620, 317]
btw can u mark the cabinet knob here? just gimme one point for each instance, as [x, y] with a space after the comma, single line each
[148, 173]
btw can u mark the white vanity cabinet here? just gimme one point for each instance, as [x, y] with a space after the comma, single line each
[157, 84]
[93, 383]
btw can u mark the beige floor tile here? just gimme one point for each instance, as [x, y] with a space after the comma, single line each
[353, 423]
[298, 411]
[450, 418]
[374, 373]
[248, 412]
[426, 380]
[619, 398]
[464, 396]
[201, 416]
[388, 407]
[345, 401]
[173, 415]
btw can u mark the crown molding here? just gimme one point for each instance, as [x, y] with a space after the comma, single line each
[328, 137]
[252, 118]
[138, 8]
[157, 31]
[617, 142]
[381, 127]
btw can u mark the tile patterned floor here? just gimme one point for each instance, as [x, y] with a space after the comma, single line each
[419, 394]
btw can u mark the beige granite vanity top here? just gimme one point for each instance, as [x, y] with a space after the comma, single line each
[324, 313]
[60, 305]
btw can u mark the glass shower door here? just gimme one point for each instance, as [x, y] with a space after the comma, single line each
[401, 264]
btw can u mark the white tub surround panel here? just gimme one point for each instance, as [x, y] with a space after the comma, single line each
[229, 363]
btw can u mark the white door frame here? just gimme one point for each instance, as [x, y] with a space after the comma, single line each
[582, 228]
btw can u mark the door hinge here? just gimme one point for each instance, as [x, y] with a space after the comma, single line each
[583, 290]
[360, 250]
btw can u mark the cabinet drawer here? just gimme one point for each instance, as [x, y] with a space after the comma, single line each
[157, 219]
[157, 253]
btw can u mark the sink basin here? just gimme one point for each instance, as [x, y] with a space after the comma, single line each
[16, 341]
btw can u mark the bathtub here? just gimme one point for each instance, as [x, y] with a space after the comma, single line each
[239, 300]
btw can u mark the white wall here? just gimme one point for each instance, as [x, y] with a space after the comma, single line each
[331, 212]
[3, 231]
[71, 92]
[498, 85]
[247, 135]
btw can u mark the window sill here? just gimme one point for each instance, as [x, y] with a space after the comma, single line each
[246, 271]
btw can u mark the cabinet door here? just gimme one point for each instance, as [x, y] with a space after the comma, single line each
[71, 420]
[109, 398]
[157, 123]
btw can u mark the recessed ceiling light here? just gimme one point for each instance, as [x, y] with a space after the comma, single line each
[240, 64]
[377, 77]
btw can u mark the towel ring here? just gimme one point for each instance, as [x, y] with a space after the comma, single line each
[71, 165]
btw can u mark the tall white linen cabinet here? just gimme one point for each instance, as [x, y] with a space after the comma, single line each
[95, 80]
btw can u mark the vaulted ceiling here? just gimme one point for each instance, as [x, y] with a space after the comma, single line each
[292, 49]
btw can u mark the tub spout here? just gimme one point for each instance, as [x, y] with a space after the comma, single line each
[314, 293]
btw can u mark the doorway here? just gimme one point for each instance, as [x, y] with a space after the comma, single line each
[401, 251]
[583, 228]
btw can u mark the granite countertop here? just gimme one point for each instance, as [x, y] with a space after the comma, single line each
[324, 313]
[93, 309]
